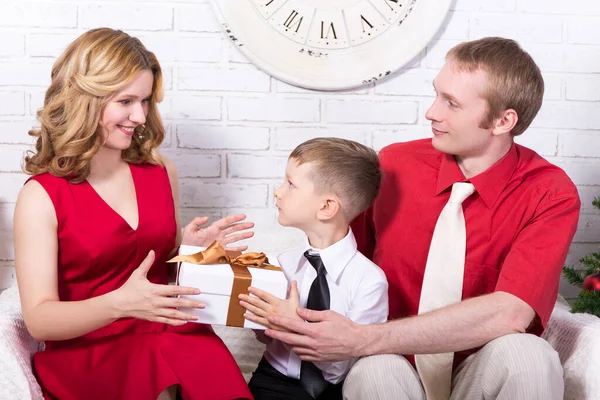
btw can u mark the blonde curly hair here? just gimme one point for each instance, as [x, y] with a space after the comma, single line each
[84, 78]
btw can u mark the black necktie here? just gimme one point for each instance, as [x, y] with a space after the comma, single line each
[311, 377]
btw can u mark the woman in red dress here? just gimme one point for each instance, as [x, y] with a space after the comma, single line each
[94, 227]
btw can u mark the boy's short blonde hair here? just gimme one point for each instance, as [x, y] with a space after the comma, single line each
[345, 168]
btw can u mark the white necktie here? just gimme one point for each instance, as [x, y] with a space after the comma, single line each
[442, 285]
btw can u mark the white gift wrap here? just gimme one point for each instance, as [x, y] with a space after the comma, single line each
[215, 282]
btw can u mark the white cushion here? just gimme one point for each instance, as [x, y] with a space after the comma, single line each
[244, 346]
[16, 348]
[576, 338]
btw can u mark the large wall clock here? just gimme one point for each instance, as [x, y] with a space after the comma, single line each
[330, 44]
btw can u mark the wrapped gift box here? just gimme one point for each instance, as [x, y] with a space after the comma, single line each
[217, 283]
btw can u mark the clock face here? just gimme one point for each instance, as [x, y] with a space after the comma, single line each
[330, 44]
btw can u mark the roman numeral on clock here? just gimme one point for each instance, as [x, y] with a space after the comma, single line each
[392, 1]
[363, 20]
[330, 29]
[291, 22]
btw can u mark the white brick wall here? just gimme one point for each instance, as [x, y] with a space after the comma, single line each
[230, 127]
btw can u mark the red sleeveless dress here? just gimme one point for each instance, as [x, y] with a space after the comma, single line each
[128, 359]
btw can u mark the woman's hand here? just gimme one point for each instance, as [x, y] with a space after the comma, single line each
[141, 299]
[227, 230]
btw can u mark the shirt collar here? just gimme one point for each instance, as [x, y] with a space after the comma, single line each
[335, 257]
[489, 184]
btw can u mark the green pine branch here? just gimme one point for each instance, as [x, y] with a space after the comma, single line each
[596, 202]
[573, 276]
[587, 302]
[577, 276]
[591, 262]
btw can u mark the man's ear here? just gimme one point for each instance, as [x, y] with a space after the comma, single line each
[505, 123]
[329, 209]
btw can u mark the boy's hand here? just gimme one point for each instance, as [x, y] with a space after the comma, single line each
[265, 305]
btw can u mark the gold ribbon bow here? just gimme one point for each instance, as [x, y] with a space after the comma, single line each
[242, 279]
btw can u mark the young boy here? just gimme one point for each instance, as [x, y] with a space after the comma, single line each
[328, 183]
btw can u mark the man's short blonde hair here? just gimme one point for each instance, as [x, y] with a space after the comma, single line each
[514, 80]
[347, 169]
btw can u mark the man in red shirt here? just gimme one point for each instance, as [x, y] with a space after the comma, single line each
[519, 224]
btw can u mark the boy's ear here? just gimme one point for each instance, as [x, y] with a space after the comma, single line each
[329, 209]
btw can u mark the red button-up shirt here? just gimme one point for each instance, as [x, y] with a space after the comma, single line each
[519, 222]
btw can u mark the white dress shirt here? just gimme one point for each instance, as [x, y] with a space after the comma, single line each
[358, 290]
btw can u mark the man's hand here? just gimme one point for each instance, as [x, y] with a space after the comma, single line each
[329, 337]
[264, 304]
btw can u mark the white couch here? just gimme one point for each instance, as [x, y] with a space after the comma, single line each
[576, 337]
